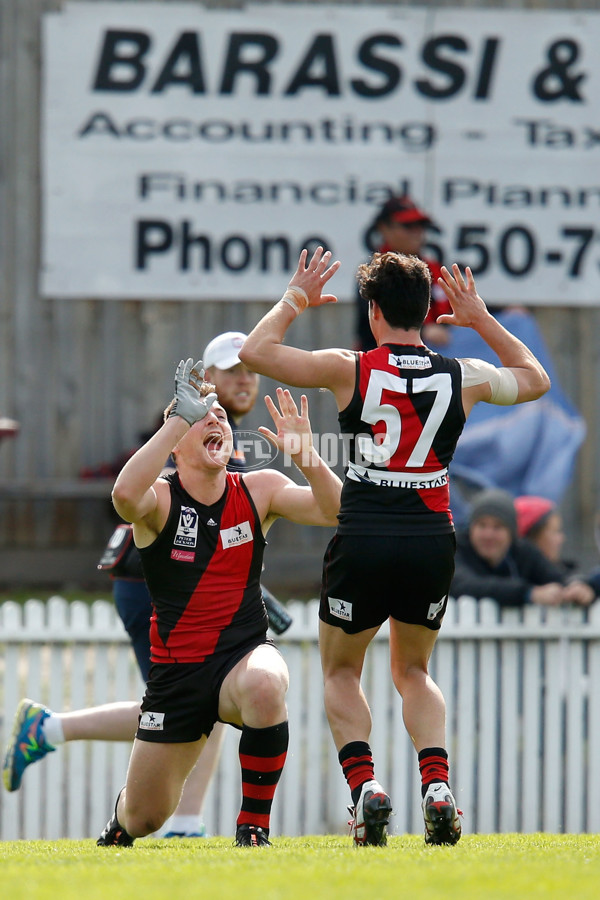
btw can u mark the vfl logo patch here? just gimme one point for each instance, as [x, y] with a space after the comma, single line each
[435, 609]
[341, 609]
[183, 555]
[187, 530]
[239, 534]
[151, 721]
[409, 362]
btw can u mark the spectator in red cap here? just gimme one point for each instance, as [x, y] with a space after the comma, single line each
[540, 522]
[400, 226]
[493, 560]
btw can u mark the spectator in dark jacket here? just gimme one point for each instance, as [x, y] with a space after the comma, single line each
[492, 561]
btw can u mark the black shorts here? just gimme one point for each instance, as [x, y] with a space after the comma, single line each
[368, 578]
[181, 702]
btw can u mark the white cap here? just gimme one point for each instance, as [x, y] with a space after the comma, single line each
[223, 350]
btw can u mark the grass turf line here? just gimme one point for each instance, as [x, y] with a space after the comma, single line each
[480, 867]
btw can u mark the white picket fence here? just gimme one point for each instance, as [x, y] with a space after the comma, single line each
[522, 689]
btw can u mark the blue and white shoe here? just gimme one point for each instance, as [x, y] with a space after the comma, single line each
[27, 743]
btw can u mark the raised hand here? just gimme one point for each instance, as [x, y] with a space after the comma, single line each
[312, 278]
[467, 305]
[294, 434]
[187, 402]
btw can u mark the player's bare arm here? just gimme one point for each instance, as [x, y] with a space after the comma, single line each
[470, 311]
[135, 494]
[264, 351]
[139, 496]
[274, 493]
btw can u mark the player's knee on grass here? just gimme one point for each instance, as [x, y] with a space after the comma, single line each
[143, 819]
[140, 826]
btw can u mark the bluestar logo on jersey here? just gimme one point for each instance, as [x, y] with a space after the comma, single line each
[409, 362]
[341, 609]
[152, 721]
[187, 530]
[238, 534]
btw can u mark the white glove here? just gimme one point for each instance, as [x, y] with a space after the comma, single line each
[187, 403]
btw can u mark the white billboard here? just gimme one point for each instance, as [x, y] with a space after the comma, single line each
[192, 152]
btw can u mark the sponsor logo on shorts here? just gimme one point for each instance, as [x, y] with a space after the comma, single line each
[183, 555]
[239, 534]
[187, 530]
[409, 362]
[341, 609]
[435, 609]
[151, 721]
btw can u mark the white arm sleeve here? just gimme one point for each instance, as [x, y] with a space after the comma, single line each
[504, 385]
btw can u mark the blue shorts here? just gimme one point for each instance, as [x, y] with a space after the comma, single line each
[134, 606]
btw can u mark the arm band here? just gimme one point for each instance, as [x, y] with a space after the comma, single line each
[504, 385]
[296, 298]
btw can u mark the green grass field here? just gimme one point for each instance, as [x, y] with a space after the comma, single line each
[480, 867]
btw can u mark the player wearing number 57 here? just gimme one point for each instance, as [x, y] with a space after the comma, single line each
[392, 557]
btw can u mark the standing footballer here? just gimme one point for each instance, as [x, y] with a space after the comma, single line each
[392, 557]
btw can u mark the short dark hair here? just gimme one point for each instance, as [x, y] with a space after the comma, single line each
[400, 285]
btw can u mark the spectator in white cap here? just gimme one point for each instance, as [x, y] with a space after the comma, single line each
[236, 385]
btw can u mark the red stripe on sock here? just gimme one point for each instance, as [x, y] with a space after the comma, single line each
[263, 763]
[434, 768]
[357, 770]
[258, 791]
[252, 818]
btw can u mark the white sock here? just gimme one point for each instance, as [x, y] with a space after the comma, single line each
[53, 731]
[186, 824]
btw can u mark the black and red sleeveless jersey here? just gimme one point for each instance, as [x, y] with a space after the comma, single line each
[203, 573]
[401, 428]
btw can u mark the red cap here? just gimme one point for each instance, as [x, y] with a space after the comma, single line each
[404, 210]
[531, 511]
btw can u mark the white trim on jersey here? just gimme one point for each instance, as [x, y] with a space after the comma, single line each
[414, 480]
